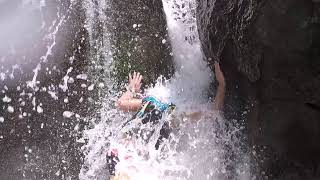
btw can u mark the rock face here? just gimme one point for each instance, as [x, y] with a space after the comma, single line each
[140, 36]
[270, 52]
[35, 134]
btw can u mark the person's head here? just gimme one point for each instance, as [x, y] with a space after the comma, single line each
[161, 92]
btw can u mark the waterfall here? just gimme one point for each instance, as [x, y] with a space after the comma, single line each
[202, 149]
[64, 64]
[192, 76]
[206, 148]
[95, 139]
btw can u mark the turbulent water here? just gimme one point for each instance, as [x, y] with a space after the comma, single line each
[208, 148]
[53, 127]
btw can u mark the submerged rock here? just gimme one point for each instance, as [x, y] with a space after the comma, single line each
[270, 52]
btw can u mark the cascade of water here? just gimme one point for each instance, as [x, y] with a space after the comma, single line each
[193, 75]
[207, 148]
[197, 150]
[104, 132]
[95, 139]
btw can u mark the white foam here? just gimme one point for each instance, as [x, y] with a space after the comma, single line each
[67, 114]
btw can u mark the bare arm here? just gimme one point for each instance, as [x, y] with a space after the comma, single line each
[219, 98]
[128, 102]
[221, 90]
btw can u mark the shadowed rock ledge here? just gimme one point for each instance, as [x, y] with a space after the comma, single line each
[270, 52]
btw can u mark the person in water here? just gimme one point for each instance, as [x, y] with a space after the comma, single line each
[150, 109]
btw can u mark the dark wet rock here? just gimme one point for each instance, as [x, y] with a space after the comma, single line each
[139, 29]
[37, 144]
[270, 52]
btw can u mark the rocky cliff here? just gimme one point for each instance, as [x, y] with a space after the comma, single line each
[140, 39]
[270, 52]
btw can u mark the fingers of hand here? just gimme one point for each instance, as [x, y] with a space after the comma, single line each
[135, 80]
[130, 77]
[134, 76]
[138, 82]
[216, 66]
[217, 69]
[139, 79]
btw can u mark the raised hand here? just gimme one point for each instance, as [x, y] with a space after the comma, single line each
[219, 74]
[135, 81]
[128, 100]
[221, 90]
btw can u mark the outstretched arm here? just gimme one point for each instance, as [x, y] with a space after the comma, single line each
[221, 90]
[219, 99]
[128, 101]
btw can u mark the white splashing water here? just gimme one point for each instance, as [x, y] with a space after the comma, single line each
[95, 139]
[206, 148]
[193, 76]
[52, 36]
[197, 149]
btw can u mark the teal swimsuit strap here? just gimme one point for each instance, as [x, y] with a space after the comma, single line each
[156, 102]
[146, 101]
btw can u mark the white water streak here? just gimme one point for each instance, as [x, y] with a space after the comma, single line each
[100, 53]
[52, 36]
[193, 75]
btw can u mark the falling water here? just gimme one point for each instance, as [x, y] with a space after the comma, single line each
[212, 147]
[209, 148]
[95, 139]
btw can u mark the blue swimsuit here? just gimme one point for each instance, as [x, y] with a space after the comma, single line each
[151, 112]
